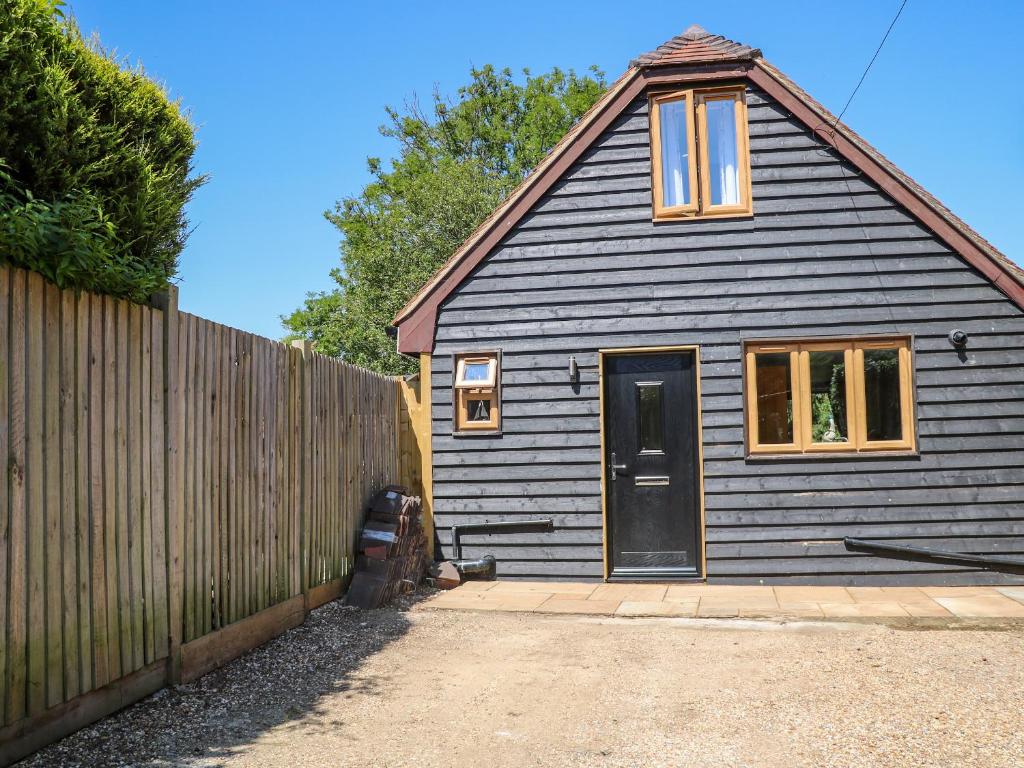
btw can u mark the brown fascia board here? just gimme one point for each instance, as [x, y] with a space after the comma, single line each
[417, 320]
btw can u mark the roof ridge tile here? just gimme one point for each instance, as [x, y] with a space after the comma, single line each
[696, 44]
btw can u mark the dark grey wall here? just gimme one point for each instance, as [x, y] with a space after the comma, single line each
[825, 254]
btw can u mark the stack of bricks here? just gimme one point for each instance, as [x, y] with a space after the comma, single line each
[392, 549]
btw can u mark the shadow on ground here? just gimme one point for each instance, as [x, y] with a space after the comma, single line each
[204, 722]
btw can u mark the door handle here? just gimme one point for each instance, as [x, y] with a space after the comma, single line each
[616, 468]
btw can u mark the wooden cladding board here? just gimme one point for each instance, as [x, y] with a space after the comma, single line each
[825, 254]
[83, 595]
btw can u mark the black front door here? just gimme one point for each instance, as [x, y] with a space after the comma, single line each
[651, 465]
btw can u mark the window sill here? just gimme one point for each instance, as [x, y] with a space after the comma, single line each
[477, 433]
[666, 218]
[833, 455]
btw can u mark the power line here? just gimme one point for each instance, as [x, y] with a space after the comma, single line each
[868, 67]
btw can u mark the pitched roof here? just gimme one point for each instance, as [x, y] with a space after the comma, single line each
[696, 45]
[692, 55]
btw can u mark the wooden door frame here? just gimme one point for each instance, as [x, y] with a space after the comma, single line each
[616, 351]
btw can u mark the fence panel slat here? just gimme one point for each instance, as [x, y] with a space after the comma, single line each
[51, 476]
[68, 562]
[17, 630]
[157, 457]
[36, 510]
[145, 440]
[132, 425]
[5, 374]
[83, 525]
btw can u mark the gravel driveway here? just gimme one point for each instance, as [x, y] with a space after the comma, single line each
[416, 687]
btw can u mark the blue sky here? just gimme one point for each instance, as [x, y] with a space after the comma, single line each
[288, 98]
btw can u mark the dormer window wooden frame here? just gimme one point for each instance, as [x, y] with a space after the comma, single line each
[699, 112]
[476, 401]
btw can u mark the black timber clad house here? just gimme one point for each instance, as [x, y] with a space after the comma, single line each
[700, 368]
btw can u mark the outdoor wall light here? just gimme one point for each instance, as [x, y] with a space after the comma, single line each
[958, 338]
[574, 370]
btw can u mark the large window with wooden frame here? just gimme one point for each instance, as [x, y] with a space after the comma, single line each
[828, 396]
[700, 153]
[477, 402]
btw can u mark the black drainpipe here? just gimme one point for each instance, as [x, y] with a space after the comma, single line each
[485, 567]
[920, 554]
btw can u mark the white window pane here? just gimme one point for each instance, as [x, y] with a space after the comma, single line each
[675, 160]
[478, 372]
[723, 155]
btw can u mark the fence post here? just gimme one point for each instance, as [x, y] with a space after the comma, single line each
[173, 498]
[424, 429]
[415, 455]
[306, 348]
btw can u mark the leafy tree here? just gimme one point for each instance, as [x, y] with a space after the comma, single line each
[96, 159]
[453, 166]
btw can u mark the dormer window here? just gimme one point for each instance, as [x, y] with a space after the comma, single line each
[700, 157]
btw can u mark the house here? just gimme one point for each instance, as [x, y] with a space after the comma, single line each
[715, 333]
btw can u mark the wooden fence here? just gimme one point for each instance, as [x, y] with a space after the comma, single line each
[176, 491]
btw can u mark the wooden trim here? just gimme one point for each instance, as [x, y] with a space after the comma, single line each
[29, 734]
[853, 349]
[461, 425]
[700, 467]
[699, 164]
[601, 354]
[657, 182]
[425, 439]
[417, 320]
[750, 387]
[462, 421]
[746, 205]
[907, 414]
[807, 417]
[605, 564]
[491, 361]
[213, 650]
[323, 594]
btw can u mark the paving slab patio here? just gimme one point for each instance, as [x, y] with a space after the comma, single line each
[728, 601]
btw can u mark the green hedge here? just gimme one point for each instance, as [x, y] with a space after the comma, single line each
[95, 159]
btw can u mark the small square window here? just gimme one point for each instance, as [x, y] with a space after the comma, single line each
[476, 393]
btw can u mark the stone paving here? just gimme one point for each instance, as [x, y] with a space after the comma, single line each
[723, 601]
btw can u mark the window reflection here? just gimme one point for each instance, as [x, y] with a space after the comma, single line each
[675, 153]
[723, 153]
[774, 399]
[882, 394]
[828, 397]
